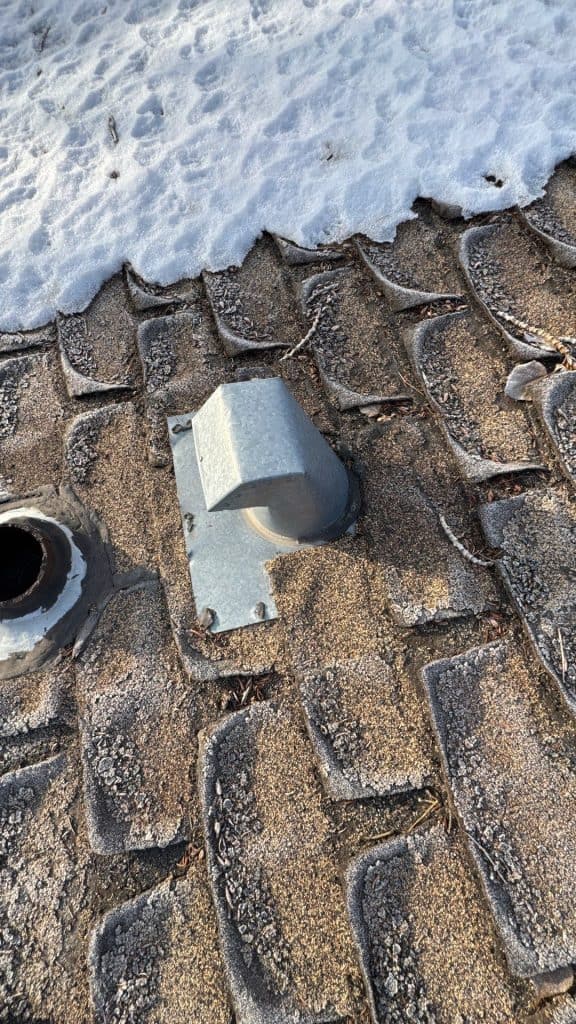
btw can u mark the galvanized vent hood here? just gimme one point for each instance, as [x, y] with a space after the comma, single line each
[255, 478]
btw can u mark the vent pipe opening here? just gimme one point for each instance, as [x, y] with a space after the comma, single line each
[22, 560]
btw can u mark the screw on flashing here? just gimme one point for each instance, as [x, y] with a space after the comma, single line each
[180, 428]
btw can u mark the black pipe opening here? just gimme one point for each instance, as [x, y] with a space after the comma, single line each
[21, 558]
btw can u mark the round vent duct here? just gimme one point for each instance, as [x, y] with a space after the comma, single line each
[22, 557]
[51, 571]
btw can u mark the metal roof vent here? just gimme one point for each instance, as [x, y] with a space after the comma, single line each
[255, 478]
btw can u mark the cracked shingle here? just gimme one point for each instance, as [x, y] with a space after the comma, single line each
[97, 347]
[426, 577]
[253, 305]
[510, 760]
[422, 965]
[136, 725]
[536, 532]
[367, 728]
[555, 400]
[284, 935]
[151, 960]
[416, 268]
[464, 374]
[553, 217]
[511, 272]
[352, 341]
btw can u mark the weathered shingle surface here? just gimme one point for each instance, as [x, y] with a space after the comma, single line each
[489, 709]
[408, 949]
[365, 809]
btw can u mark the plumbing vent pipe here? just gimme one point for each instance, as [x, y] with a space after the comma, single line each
[256, 478]
[53, 575]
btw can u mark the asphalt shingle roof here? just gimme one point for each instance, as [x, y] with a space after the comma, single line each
[364, 808]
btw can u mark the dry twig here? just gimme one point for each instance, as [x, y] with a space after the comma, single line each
[537, 335]
[113, 130]
[563, 662]
[460, 547]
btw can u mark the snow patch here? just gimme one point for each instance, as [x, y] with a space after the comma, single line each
[170, 133]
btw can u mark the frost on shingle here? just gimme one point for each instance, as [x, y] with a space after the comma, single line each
[43, 866]
[509, 761]
[182, 363]
[536, 533]
[180, 353]
[418, 267]
[106, 464]
[427, 578]
[367, 723]
[12, 374]
[427, 946]
[464, 372]
[352, 339]
[23, 340]
[136, 726]
[285, 939]
[38, 703]
[31, 420]
[357, 619]
[97, 346]
[368, 728]
[155, 959]
[556, 1011]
